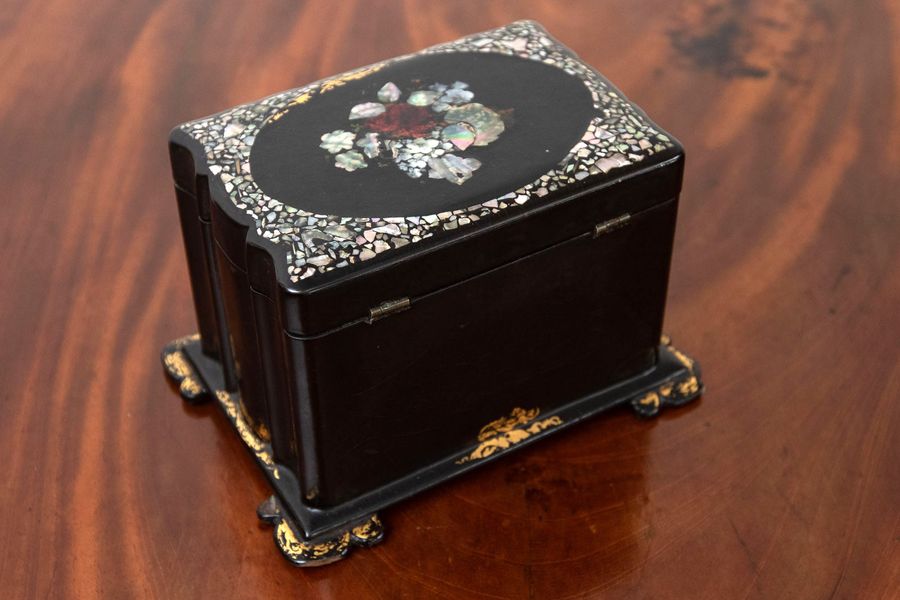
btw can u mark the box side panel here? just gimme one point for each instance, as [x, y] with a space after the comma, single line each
[239, 328]
[201, 289]
[280, 408]
[192, 194]
[396, 395]
[243, 338]
[261, 369]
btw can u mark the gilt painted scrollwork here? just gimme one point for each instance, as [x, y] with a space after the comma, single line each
[506, 432]
[675, 392]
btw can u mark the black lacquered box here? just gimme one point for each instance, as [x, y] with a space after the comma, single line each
[411, 268]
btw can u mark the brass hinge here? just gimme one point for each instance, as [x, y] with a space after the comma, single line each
[387, 308]
[611, 225]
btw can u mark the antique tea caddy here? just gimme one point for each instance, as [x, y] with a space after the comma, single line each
[407, 270]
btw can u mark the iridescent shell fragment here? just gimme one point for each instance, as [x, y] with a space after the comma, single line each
[461, 135]
[350, 161]
[389, 92]
[422, 97]
[366, 110]
[453, 168]
[488, 124]
[337, 140]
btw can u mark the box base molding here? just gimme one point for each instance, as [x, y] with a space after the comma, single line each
[302, 553]
[308, 536]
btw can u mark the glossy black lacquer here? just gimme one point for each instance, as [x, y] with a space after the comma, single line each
[356, 407]
[393, 396]
[525, 309]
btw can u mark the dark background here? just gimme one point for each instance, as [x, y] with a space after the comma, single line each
[782, 482]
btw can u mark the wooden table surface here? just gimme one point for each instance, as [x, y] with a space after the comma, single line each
[782, 482]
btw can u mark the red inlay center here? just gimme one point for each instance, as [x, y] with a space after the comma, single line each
[403, 120]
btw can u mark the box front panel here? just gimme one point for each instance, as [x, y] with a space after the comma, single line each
[394, 396]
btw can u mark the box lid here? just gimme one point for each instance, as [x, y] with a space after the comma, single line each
[401, 178]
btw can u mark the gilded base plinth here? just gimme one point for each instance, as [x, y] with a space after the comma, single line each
[677, 391]
[294, 546]
[305, 553]
[310, 536]
[182, 372]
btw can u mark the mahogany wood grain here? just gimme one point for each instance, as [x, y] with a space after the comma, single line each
[782, 482]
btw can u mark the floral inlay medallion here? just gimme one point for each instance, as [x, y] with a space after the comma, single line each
[423, 134]
[317, 241]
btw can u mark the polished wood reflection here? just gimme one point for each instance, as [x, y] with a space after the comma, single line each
[782, 482]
